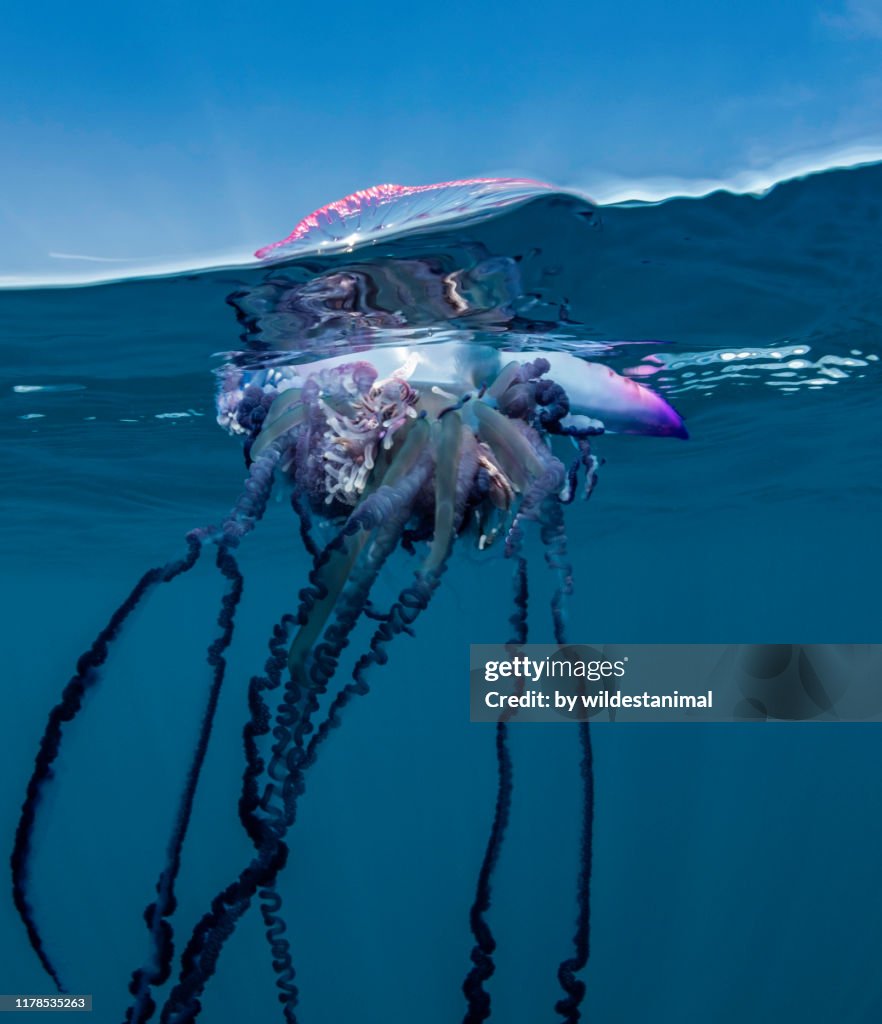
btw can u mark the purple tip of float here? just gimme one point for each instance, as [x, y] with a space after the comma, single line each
[651, 414]
[645, 411]
[361, 216]
[672, 423]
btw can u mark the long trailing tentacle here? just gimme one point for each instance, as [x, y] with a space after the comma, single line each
[258, 725]
[248, 510]
[65, 711]
[477, 998]
[569, 1007]
[413, 600]
[159, 964]
[249, 507]
[216, 926]
[340, 584]
[245, 512]
[380, 519]
[543, 479]
[388, 524]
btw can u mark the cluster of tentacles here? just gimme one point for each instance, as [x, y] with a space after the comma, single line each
[389, 463]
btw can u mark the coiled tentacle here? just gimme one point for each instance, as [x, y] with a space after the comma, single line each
[477, 998]
[248, 510]
[66, 710]
[569, 1007]
[340, 585]
[283, 964]
[159, 964]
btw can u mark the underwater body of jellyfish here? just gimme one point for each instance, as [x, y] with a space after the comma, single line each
[393, 395]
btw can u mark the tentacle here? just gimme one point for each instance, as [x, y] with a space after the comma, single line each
[199, 959]
[546, 487]
[394, 502]
[570, 1006]
[554, 538]
[258, 725]
[515, 454]
[451, 477]
[485, 944]
[378, 520]
[275, 428]
[525, 460]
[246, 512]
[159, 965]
[66, 710]
[411, 601]
[228, 906]
[334, 565]
[448, 444]
[283, 964]
[337, 584]
[303, 518]
[591, 464]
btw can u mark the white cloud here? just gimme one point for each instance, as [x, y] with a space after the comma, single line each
[858, 19]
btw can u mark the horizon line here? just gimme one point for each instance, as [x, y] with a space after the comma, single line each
[617, 191]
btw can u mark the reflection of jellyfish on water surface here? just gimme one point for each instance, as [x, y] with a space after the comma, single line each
[392, 443]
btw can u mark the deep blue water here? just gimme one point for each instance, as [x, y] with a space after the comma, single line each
[735, 866]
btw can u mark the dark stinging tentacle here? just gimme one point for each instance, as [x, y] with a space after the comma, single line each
[157, 913]
[258, 725]
[66, 710]
[244, 513]
[485, 945]
[411, 601]
[569, 1007]
[247, 511]
[298, 504]
[283, 964]
[382, 516]
[385, 513]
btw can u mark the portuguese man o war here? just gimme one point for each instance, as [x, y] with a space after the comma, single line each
[398, 387]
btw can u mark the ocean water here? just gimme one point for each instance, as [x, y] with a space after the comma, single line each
[735, 867]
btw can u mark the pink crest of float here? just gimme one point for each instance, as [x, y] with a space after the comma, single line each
[363, 215]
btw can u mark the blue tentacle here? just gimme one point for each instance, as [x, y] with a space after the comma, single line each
[485, 944]
[70, 705]
[247, 511]
[379, 519]
[569, 1007]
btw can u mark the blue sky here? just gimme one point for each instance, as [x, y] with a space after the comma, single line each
[166, 130]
